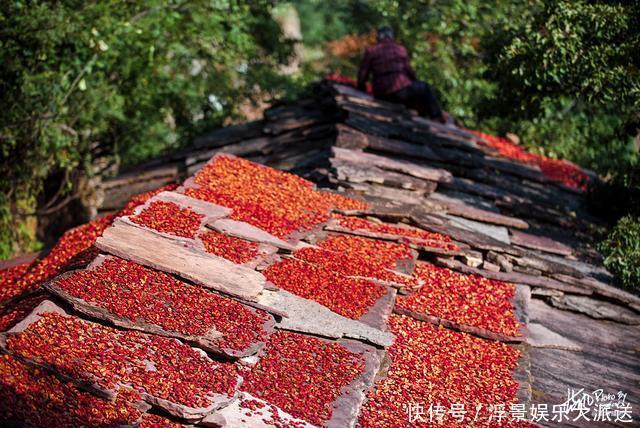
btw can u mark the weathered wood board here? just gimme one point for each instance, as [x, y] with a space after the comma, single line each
[149, 249]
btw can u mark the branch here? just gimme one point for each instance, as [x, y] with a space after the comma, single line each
[154, 9]
[59, 206]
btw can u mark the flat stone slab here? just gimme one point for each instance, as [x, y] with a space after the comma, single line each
[541, 243]
[250, 411]
[605, 290]
[207, 209]
[429, 246]
[347, 406]
[514, 277]
[522, 374]
[307, 316]
[597, 309]
[462, 209]
[540, 336]
[402, 272]
[609, 359]
[439, 223]
[499, 233]
[180, 258]
[355, 157]
[243, 230]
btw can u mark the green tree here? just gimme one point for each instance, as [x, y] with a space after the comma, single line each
[622, 252]
[567, 77]
[114, 79]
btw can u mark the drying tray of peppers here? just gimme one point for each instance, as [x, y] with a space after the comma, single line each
[132, 296]
[74, 249]
[33, 396]
[560, 171]
[431, 365]
[182, 218]
[481, 306]
[431, 242]
[166, 373]
[280, 203]
[388, 263]
[354, 298]
[319, 381]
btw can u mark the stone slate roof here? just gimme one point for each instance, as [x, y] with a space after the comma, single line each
[414, 263]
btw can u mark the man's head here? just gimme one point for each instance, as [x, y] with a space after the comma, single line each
[385, 32]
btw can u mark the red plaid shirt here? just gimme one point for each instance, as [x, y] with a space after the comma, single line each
[388, 62]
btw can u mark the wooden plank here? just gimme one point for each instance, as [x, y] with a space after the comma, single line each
[513, 277]
[307, 316]
[541, 243]
[361, 174]
[182, 259]
[229, 135]
[609, 359]
[404, 167]
[249, 232]
[462, 209]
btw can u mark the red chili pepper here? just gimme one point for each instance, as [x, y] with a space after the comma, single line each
[138, 293]
[168, 217]
[231, 248]
[464, 299]
[303, 375]
[160, 366]
[349, 297]
[432, 365]
[38, 398]
[431, 239]
[277, 202]
[557, 170]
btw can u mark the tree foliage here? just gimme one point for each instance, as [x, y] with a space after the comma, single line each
[567, 78]
[622, 252]
[81, 79]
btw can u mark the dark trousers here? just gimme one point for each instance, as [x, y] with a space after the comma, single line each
[418, 96]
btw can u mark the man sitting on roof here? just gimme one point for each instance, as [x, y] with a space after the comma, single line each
[394, 80]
